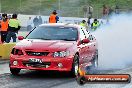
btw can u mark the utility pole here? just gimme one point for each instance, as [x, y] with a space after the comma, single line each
[0, 6]
[59, 6]
[40, 7]
[20, 6]
[98, 9]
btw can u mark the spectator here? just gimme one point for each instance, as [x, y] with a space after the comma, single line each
[89, 21]
[57, 19]
[0, 17]
[90, 11]
[53, 17]
[36, 21]
[4, 27]
[95, 25]
[29, 24]
[40, 20]
[117, 9]
[14, 26]
[110, 11]
[105, 11]
[85, 10]
[9, 17]
[84, 24]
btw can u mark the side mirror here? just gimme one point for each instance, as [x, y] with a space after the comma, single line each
[20, 37]
[85, 40]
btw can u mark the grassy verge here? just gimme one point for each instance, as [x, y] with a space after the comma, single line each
[72, 8]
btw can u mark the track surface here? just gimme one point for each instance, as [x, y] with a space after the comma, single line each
[42, 79]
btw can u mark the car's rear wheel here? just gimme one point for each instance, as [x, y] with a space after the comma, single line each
[75, 66]
[15, 71]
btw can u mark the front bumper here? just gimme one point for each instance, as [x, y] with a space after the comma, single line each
[49, 63]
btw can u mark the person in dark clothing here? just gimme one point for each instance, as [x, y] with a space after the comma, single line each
[0, 17]
[110, 11]
[57, 19]
[117, 10]
[36, 21]
[9, 17]
[40, 20]
[89, 21]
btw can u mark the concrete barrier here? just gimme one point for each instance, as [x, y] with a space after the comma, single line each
[5, 50]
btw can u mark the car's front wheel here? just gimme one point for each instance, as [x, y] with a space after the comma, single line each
[75, 66]
[15, 71]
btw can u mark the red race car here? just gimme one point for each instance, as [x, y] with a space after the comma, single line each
[58, 47]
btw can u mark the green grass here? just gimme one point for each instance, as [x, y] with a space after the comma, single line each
[72, 8]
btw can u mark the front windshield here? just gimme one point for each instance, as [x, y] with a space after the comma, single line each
[54, 33]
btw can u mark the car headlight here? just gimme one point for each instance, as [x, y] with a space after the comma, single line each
[56, 54]
[61, 54]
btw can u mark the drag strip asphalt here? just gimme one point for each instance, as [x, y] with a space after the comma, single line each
[46, 79]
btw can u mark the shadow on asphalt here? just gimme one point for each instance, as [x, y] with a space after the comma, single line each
[55, 74]
[36, 79]
[43, 74]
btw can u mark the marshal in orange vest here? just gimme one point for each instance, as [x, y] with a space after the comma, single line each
[4, 25]
[52, 18]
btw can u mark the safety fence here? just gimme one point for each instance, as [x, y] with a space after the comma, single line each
[65, 8]
[5, 50]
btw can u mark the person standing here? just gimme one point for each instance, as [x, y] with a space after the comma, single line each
[40, 20]
[95, 25]
[14, 26]
[9, 17]
[84, 24]
[57, 19]
[110, 11]
[90, 11]
[4, 27]
[53, 17]
[105, 11]
[89, 21]
[117, 9]
[29, 24]
[0, 17]
[36, 21]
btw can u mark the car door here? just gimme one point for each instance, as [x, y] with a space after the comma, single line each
[82, 47]
[90, 47]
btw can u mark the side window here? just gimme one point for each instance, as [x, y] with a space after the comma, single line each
[82, 35]
[88, 35]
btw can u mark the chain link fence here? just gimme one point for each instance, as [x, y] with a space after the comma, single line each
[65, 8]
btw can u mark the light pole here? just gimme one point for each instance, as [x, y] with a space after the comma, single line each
[59, 6]
[98, 10]
[20, 6]
[0, 5]
[40, 7]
